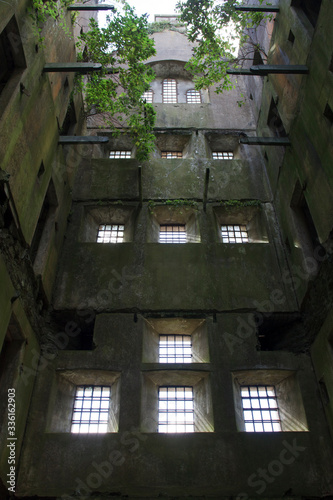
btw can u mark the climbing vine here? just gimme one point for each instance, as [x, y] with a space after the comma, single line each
[41, 10]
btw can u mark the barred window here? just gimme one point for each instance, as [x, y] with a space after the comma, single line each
[234, 234]
[260, 408]
[169, 91]
[175, 349]
[148, 96]
[91, 409]
[193, 96]
[120, 155]
[173, 233]
[110, 233]
[175, 409]
[223, 155]
[171, 154]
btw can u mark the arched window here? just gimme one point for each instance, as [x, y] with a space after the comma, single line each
[169, 91]
[148, 96]
[193, 96]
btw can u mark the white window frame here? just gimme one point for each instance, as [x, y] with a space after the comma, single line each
[169, 91]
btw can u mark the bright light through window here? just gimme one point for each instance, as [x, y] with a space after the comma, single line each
[175, 349]
[169, 91]
[120, 155]
[110, 233]
[91, 409]
[171, 154]
[193, 97]
[260, 409]
[172, 233]
[148, 96]
[175, 409]
[234, 234]
[223, 155]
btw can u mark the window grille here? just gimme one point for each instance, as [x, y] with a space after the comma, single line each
[175, 409]
[234, 234]
[91, 409]
[260, 408]
[120, 155]
[193, 97]
[175, 349]
[169, 91]
[148, 96]
[172, 233]
[110, 233]
[223, 155]
[171, 154]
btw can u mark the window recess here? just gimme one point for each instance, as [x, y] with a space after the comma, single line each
[193, 97]
[12, 58]
[84, 402]
[172, 224]
[241, 224]
[307, 8]
[260, 408]
[176, 401]
[175, 340]
[268, 401]
[107, 224]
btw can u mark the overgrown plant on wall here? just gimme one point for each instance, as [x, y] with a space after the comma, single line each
[41, 10]
[115, 93]
[215, 27]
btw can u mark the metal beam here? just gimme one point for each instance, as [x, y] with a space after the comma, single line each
[266, 69]
[82, 139]
[255, 8]
[265, 141]
[71, 67]
[90, 7]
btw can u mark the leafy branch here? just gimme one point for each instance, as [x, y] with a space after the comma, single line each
[214, 27]
[115, 93]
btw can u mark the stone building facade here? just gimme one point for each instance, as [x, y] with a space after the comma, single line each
[228, 324]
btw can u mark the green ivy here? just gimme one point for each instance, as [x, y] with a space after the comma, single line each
[41, 10]
[172, 203]
[240, 203]
[213, 53]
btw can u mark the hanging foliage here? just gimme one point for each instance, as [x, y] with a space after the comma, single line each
[215, 27]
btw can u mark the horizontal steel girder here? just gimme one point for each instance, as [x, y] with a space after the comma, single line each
[82, 139]
[73, 67]
[266, 69]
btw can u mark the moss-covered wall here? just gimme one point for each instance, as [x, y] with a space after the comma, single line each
[214, 464]
[301, 173]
